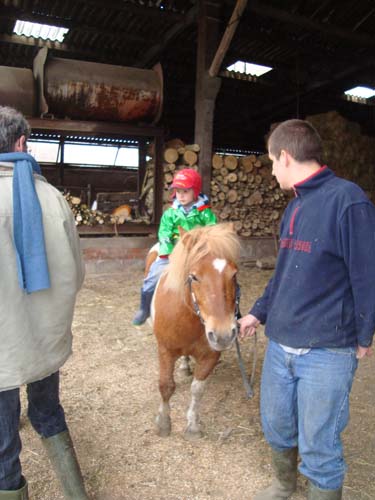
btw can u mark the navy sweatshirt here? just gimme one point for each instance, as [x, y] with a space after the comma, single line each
[322, 293]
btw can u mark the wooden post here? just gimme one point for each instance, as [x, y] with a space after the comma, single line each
[142, 151]
[227, 37]
[206, 88]
[158, 179]
[61, 163]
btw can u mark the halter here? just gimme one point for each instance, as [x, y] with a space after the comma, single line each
[247, 382]
[197, 310]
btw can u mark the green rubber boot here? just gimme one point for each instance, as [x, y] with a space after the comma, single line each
[62, 456]
[284, 483]
[20, 494]
[316, 493]
[144, 310]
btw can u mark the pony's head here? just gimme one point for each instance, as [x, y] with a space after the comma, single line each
[203, 271]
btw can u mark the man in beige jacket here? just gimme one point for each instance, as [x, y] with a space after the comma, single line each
[41, 271]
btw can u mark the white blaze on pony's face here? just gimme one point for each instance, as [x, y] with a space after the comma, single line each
[215, 294]
[219, 264]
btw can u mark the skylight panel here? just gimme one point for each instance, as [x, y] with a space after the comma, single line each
[44, 31]
[249, 68]
[362, 92]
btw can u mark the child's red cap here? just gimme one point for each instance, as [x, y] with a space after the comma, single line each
[187, 178]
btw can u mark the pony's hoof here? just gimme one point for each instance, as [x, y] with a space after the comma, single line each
[163, 428]
[185, 372]
[163, 431]
[190, 435]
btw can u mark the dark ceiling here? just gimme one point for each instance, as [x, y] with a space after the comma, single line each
[317, 50]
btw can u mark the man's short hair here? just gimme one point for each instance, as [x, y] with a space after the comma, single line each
[12, 126]
[299, 138]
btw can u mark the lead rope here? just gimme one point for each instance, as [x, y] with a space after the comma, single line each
[247, 382]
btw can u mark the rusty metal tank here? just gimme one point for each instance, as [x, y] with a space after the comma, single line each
[17, 89]
[82, 90]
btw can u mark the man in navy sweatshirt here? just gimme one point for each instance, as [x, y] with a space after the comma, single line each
[319, 312]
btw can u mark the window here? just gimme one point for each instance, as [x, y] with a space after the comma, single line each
[44, 151]
[360, 95]
[249, 68]
[100, 155]
[363, 92]
[79, 151]
[44, 31]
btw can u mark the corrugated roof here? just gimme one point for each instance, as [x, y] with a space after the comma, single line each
[317, 50]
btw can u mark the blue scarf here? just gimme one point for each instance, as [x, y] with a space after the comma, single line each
[32, 265]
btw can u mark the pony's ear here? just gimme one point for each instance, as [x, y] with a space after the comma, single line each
[181, 230]
[187, 240]
[230, 226]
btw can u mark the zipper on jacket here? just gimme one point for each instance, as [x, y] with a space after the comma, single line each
[292, 219]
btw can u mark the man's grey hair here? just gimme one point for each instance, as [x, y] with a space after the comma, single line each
[12, 126]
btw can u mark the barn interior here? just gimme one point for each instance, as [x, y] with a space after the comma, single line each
[140, 87]
[162, 70]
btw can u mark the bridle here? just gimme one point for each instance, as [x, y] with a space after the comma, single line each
[189, 282]
[248, 382]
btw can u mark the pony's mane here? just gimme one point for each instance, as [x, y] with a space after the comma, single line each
[219, 240]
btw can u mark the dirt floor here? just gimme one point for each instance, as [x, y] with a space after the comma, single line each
[110, 395]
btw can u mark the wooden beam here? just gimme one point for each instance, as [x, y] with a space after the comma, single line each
[93, 128]
[276, 106]
[227, 37]
[158, 180]
[127, 228]
[139, 10]
[277, 39]
[11, 14]
[35, 42]
[107, 56]
[304, 22]
[368, 14]
[206, 88]
[119, 5]
[153, 54]
[120, 36]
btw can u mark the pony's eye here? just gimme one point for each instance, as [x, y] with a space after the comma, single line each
[193, 277]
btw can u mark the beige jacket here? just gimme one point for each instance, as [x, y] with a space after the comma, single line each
[35, 329]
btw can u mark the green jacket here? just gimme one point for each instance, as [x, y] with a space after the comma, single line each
[175, 216]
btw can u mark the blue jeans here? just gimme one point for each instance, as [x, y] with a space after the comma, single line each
[156, 270]
[46, 416]
[305, 404]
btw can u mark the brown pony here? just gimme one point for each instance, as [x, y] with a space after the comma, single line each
[193, 313]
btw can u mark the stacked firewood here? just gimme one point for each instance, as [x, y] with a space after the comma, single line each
[176, 156]
[244, 191]
[347, 151]
[83, 215]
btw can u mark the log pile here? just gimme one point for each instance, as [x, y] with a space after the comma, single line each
[244, 191]
[346, 151]
[176, 156]
[242, 188]
[83, 215]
